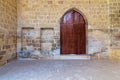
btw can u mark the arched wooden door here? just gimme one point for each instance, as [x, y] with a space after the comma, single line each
[73, 33]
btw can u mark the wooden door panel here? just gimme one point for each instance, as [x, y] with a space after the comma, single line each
[68, 43]
[80, 38]
[76, 17]
[69, 17]
[73, 34]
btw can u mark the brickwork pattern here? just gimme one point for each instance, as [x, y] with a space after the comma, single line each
[103, 17]
[115, 27]
[47, 14]
[8, 23]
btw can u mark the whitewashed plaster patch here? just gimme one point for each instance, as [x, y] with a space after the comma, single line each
[98, 41]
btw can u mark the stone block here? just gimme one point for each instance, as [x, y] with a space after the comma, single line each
[46, 46]
[3, 63]
[2, 53]
[115, 53]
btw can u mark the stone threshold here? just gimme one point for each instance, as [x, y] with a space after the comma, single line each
[71, 57]
[61, 57]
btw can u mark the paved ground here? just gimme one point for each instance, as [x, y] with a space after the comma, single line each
[103, 69]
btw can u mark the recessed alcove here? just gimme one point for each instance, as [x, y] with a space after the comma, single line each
[47, 38]
[27, 39]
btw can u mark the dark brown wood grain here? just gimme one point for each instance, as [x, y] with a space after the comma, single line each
[73, 33]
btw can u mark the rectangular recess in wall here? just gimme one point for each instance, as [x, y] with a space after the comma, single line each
[115, 39]
[27, 38]
[47, 37]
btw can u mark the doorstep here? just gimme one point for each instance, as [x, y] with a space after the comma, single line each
[84, 57]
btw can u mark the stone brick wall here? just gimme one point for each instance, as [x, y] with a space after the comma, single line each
[8, 23]
[47, 14]
[102, 17]
[115, 27]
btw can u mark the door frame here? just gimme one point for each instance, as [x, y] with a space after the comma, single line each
[86, 27]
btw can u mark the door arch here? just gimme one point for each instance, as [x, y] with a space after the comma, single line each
[73, 33]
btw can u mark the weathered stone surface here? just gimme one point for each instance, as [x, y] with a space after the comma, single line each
[45, 19]
[101, 15]
[28, 38]
[114, 8]
[98, 42]
[115, 53]
[2, 52]
[55, 52]
[46, 46]
[115, 38]
[102, 18]
[8, 23]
